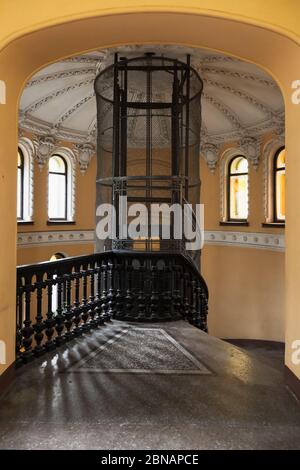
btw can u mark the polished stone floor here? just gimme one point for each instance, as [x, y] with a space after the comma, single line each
[151, 386]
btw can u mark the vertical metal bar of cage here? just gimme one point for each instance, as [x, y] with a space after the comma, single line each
[148, 145]
[123, 145]
[175, 133]
[116, 144]
[187, 126]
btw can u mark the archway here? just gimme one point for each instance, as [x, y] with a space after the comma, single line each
[254, 43]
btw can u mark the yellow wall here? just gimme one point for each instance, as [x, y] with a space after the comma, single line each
[32, 255]
[216, 24]
[246, 292]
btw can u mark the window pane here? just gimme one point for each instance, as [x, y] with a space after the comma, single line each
[239, 165]
[281, 159]
[57, 164]
[280, 195]
[57, 197]
[19, 193]
[239, 197]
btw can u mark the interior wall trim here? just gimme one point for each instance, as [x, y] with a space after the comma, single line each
[258, 240]
[57, 237]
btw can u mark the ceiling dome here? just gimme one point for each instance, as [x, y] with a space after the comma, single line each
[238, 99]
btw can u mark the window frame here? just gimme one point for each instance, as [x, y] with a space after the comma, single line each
[276, 220]
[228, 189]
[66, 175]
[22, 168]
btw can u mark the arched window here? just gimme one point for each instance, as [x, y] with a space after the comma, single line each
[237, 190]
[25, 168]
[279, 186]
[20, 186]
[57, 188]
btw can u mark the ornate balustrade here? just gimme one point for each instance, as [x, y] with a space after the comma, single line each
[60, 300]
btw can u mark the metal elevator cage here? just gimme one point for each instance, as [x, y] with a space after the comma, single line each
[149, 120]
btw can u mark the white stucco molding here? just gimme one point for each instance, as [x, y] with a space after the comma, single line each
[258, 240]
[58, 237]
[264, 241]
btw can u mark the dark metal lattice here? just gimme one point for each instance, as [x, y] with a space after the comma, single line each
[149, 119]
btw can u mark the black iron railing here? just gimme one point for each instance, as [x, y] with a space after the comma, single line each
[60, 300]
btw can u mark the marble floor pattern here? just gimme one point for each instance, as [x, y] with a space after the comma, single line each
[151, 386]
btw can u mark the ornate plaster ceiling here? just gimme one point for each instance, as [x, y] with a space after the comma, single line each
[239, 101]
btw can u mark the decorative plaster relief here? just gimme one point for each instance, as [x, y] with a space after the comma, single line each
[62, 237]
[263, 241]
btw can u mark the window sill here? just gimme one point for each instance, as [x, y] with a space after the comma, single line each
[273, 224]
[238, 223]
[25, 222]
[61, 222]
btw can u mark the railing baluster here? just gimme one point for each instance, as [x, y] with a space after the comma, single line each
[154, 299]
[194, 305]
[68, 309]
[50, 320]
[27, 330]
[104, 292]
[76, 308]
[111, 292]
[99, 319]
[186, 304]
[166, 295]
[176, 292]
[141, 300]
[203, 311]
[39, 326]
[19, 336]
[129, 296]
[92, 303]
[59, 317]
[84, 302]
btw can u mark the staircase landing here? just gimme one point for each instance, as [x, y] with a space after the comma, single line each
[150, 386]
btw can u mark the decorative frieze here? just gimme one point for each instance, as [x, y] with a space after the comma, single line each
[44, 147]
[228, 92]
[250, 147]
[258, 240]
[210, 153]
[59, 237]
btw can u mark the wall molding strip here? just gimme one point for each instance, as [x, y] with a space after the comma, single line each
[258, 240]
[58, 237]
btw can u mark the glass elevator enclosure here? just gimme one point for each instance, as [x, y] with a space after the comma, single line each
[149, 119]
